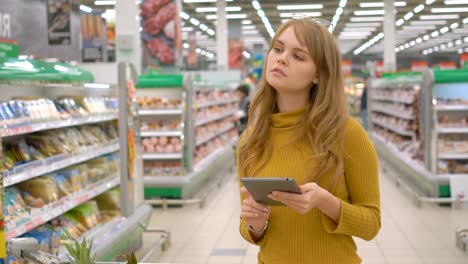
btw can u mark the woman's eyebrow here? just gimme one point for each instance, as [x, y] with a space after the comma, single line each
[298, 49]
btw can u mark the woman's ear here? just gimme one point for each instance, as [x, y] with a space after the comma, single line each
[316, 80]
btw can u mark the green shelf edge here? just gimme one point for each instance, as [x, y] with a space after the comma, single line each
[160, 81]
[392, 75]
[450, 76]
[163, 192]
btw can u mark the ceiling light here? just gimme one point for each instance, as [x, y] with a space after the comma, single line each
[105, 2]
[418, 28]
[265, 20]
[397, 49]
[228, 16]
[214, 9]
[436, 48]
[454, 25]
[378, 4]
[184, 15]
[246, 54]
[250, 32]
[455, 2]
[86, 9]
[197, 50]
[185, 45]
[355, 33]
[450, 44]
[449, 10]
[343, 3]
[400, 22]
[465, 21]
[460, 51]
[187, 29]
[299, 7]
[408, 15]
[444, 30]
[246, 22]
[428, 2]
[339, 11]
[353, 29]
[203, 27]
[368, 12]
[465, 39]
[249, 27]
[424, 52]
[458, 42]
[438, 17]
[412, 43]
[443, 46]
[284, 20]
[362, 19]
[419, 8]
[429, 22]
[194, 21]
[210, 32]
[407, 45]
[310, 14]
[256, 5]
[418, 40]
[261, 13]
[435, 34]
[430, 50]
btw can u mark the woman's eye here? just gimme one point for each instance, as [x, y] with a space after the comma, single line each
[298, 57]
[277, 49]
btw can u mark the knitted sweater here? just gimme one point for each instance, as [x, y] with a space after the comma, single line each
[314, 237]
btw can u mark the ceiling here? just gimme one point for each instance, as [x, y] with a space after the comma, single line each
[419, 26]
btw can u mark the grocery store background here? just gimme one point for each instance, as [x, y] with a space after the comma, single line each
[126, 112]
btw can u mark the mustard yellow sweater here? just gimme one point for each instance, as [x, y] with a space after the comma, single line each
[314, 237]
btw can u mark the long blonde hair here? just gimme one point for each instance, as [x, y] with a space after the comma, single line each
[326, 116]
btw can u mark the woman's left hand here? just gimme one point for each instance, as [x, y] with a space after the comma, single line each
[311, 196]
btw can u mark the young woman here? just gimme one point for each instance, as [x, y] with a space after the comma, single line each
[299, 128]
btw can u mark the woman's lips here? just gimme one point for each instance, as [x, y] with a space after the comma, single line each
[278, 71]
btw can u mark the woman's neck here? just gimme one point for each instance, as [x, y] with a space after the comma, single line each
[291, 102]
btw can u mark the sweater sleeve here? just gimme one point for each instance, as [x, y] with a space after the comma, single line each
[361, 215]
[243, 227]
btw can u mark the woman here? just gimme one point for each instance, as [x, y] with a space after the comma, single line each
[299, 128]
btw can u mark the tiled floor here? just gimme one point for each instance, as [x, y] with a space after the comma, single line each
[409, 234]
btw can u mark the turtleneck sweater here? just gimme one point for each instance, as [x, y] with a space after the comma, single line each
[314, 237]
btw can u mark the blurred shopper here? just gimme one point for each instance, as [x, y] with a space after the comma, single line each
[299, 127]
[364, 112]
[242, 115]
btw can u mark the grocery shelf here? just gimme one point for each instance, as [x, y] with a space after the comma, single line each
[14, 130]
[153, 112]
[42, 215]
[394, 129]
[448, 175]
[394, 99]
[222, 131]
[393, 113]
[161, 133]
[451, 107]
[181, 180]
[213, 103]
[461, 156]
[162, 156]
[211, 119]
[41, 167]
[452, 130]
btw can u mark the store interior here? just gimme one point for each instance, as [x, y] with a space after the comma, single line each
[119, 122]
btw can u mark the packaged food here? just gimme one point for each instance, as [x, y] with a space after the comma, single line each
[37, 186]
[72, 229]
[63, 183]
[14, 204]
[87, 214]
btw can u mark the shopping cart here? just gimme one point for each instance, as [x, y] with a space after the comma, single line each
[461, 236]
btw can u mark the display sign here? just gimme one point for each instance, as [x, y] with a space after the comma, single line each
[93, 37]
[161, 33]
[8, 49]
[58, 22]
[419, 66]
[464, 60]
[347, 67]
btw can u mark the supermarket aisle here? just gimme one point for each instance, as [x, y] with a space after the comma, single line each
[408, 235]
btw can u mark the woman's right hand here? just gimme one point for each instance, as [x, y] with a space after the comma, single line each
[253, 213]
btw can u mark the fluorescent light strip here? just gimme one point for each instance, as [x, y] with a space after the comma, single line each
[187, 29]
[256, 5]
[363, 19]
[246, 22]
[379, 4]
[105, 2]
[354, 29]
[249, 27]
[350, 25]
[438, 17]
[264, 18]
[465, 21]
[86, 9]
[299, 7]
[194, 21]
[428, 22]
[456, 2]
[214, 9]
[408, 16]
[418, 8]
[203, 27]
[449, 10]
[228, 16]
[429, 2]
[414, 27]
[203, 1]
[184, 15]
[368, 12]
[400, 22]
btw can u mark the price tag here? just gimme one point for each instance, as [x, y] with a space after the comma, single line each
[11, 234]
[29, 226]
[82, 199]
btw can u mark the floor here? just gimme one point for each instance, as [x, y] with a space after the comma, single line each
[409, 234]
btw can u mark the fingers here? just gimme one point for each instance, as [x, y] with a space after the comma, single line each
[244, 192]
[256, 206]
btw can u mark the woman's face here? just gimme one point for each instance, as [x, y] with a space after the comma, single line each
[290, 68]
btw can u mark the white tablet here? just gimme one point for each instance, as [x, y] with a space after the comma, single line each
[259, 188]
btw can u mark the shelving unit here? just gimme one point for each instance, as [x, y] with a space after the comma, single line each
[200, 113]
[433, 158]
[353, 89]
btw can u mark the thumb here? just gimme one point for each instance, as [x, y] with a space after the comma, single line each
[244, 192]
[307, 187]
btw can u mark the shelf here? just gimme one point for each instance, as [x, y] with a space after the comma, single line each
[394, 129]
[155, 112]
[41, 167]
[462, 156]
[452, 175]
[451, 107]
[52, 210]
[181, 180]
[208, 104]
[394, 99]
[222, 131]
[393, 113]
[211, 119]
[162, 156]
[452, 130]
[14, 130]
[161, 133]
